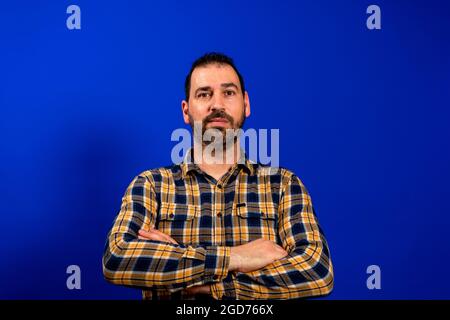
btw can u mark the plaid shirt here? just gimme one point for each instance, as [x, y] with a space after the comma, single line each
[207, 217]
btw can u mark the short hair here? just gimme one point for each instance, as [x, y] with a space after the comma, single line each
[207, 59]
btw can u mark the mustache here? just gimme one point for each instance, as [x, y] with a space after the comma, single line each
[218, 114]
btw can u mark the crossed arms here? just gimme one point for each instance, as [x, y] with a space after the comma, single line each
[138, 255]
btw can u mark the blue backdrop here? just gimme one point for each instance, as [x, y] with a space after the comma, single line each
[363, 118]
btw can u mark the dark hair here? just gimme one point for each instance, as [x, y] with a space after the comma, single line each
[211, 58]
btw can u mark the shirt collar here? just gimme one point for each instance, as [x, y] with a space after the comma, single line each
[188, 164]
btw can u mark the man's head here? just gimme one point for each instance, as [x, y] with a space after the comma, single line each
[215, 94]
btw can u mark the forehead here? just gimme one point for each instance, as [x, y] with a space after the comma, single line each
[213, 75]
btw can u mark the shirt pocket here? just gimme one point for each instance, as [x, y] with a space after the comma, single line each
[179, 221]
[254, 221]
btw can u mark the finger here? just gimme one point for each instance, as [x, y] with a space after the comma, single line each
[144, 233]
[204, 289]
[283, 253]
[153, 236]
[281, 249]
[153, 233]
[192, 290]
[157, 235]
[170, 239]
[165, 236]
[149, 237]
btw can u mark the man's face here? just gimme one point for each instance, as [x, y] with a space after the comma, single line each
[216, 99]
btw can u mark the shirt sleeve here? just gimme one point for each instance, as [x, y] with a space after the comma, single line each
[307, 269]
[130, 261]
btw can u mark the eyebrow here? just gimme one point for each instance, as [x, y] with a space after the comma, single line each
[229, 84]
[206, 88]
[223, 85]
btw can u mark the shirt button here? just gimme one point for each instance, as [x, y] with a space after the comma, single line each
[171, 215]
[219, 214]
[262, 214]
[219, 186]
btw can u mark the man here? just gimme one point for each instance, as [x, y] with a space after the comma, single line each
[228, 229]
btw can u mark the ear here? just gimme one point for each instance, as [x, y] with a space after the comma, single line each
[246, 105]
[185, 111]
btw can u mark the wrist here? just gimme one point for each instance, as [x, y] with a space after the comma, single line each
[235, 260]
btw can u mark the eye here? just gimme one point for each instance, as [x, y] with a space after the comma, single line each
[203, 95]
[230, 93]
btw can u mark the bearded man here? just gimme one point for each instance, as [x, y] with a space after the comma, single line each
[217, 225]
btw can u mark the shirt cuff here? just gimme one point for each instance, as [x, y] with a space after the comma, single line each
[225, 290]
[217, 290]
[217, 261]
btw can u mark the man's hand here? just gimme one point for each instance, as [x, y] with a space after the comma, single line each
[255, 255]
[154, 234]
[244, 258]
[201, 289]
[157, 235]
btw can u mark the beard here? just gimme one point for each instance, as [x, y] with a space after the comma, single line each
[227, 139]
[219, 114]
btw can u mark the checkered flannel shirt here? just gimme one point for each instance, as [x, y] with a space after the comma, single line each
[207, 217]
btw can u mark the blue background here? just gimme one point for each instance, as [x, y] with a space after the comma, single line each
[363, 118]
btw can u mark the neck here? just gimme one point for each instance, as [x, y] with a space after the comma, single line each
[213, 162]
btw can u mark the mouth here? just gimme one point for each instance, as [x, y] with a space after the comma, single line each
[218, 121]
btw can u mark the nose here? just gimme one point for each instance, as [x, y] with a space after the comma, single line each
[217, 103]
